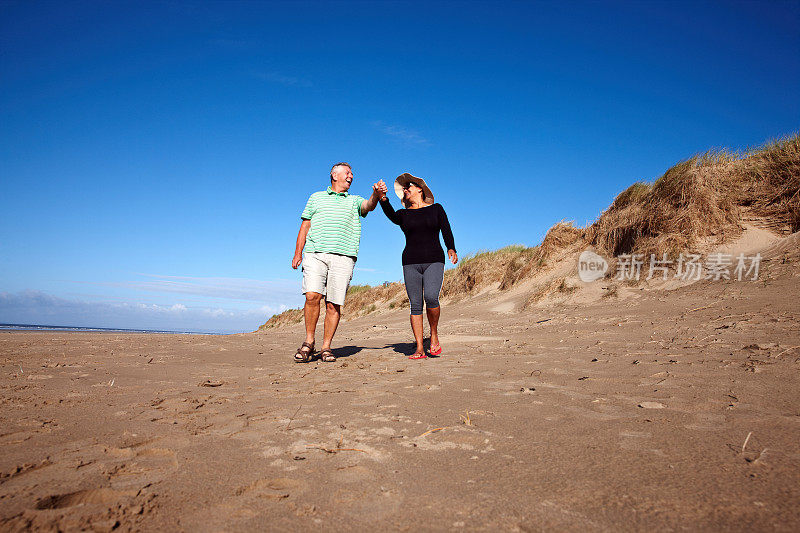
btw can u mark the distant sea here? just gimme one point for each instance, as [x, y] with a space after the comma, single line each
[41, 327]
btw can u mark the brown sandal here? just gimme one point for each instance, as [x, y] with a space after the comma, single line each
[304, 356]
[327, 356]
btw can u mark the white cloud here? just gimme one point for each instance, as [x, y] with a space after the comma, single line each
[234, 43]
[405, 135]
[241, 289]
[282, 79]
[35, 307]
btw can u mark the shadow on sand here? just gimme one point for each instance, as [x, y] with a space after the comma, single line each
[345, 351]
[408, 348]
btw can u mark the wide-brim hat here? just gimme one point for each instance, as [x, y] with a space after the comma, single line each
[406, 178]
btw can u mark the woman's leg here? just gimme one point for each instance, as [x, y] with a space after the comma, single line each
[433, 321]
[412, 274]
[433, 278]
[416, 327]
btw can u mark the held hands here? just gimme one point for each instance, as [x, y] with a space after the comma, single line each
[380, 189]
[453, 256]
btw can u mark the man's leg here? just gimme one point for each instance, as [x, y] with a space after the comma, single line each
[340, 272]
[314, 274]
[311, 314]
[332, 315]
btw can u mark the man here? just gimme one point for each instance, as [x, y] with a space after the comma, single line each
[330, 233]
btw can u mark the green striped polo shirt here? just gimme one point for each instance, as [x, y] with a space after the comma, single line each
[335, 222]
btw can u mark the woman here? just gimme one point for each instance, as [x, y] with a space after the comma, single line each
[423, 258]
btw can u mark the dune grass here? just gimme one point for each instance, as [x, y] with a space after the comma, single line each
[704, 197]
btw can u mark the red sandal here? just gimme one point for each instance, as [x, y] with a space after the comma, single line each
[419, 355]
[437, 350]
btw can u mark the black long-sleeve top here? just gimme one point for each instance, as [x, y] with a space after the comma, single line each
[421, 227]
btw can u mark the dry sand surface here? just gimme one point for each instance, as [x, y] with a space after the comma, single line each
[659, 410]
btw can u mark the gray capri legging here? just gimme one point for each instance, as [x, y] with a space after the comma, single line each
[423, 280]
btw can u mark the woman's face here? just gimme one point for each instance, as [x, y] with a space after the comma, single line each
[412, 191]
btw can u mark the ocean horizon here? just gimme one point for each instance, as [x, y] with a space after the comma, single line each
[85, 329]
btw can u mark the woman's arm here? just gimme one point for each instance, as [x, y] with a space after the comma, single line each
[389, 211]
[447, 234]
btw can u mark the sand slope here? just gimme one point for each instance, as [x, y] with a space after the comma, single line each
[625, 413]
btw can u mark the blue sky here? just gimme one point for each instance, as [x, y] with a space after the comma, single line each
[155, 157]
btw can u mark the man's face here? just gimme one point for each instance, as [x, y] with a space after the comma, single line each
[343, 177]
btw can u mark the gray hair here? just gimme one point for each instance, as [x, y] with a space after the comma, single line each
[341, 164]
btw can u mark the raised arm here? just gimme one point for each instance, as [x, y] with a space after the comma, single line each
[389, 211]
[301, 242]
[447, 235]
[372, 202]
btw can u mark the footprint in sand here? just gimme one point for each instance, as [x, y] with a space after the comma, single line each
[638, 441]
[138, 465]
[246, 502]
[707, 422]
[635, 434]
[24, 469]
[352, 474]
[19, 434]
[98, 509]
[91, 496]
[369, 504]
[461, 437]
[273, 489]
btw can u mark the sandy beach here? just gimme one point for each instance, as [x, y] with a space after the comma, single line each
[665, 410]
[602, 200]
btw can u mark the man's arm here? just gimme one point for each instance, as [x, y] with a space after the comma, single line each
[372, 202]
[301, 242]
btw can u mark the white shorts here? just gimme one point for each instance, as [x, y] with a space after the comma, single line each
[328, 274]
